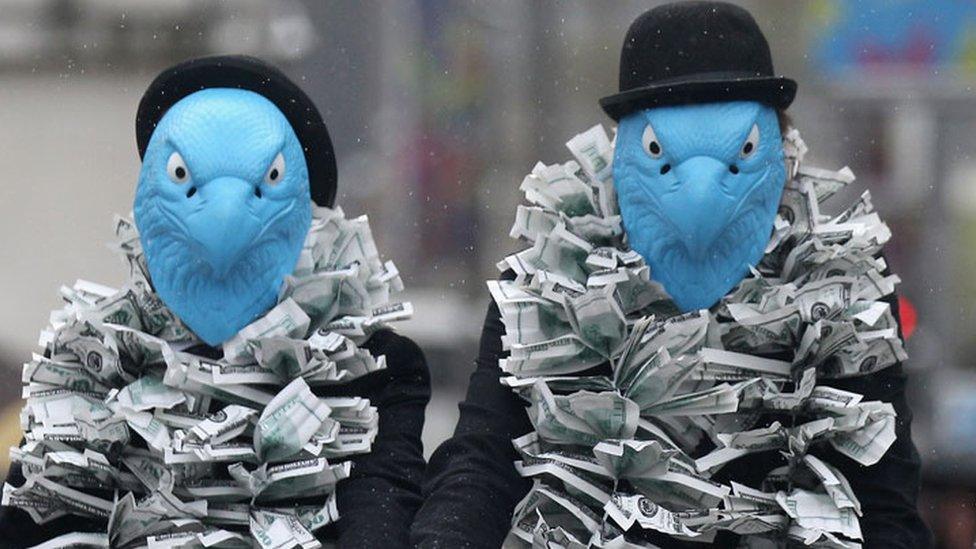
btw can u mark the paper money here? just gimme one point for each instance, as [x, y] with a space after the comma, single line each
[202, 450]
[94, 349]
[537, 319]
[63, 374]
[323, 295]
[289, 421]
[583, 417]
[210, 537]
[594, 152]
[557, 356]
[627, 510]
[585, 486]
[280, 531]
[866, 432]
[223, 425]
[559, 189]
[626, 392]
[285, 319]
[559, 251]
[291, 480]
[147, 393]
[598, 320]
[834, 483]
[578, 519]
[818, 512]
[75, 540]
[634, 458]
[196, 375]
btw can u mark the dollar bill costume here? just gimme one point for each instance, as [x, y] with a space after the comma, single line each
[700, 355]
[242, 389]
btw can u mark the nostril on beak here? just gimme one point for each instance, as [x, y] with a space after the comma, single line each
[257, 191]
[190, 192]
[734, 169]
[665, 169]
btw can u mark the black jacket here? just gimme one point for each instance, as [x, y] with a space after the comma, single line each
[376, 503]
[472, 487]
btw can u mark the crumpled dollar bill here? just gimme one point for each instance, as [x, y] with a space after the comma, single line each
[636, 407]
[124, 423]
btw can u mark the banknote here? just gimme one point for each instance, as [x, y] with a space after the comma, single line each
[130, 422]
[289, 421]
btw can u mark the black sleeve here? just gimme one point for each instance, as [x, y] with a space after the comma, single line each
[378, 501]
[472, 486]
[887, 490]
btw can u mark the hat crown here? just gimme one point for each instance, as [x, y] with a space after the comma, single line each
[693, 40]
[252, 74]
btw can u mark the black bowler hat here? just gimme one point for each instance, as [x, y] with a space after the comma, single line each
[252, 74]
[696, 52]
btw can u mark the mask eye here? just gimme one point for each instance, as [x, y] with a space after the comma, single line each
[176, 169]
[752, 142]
[651, 145]
[276, 172]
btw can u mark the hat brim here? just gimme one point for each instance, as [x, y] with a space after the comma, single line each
[776, 91]
[252, 74]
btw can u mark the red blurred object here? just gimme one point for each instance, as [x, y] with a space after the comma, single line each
[909, 316]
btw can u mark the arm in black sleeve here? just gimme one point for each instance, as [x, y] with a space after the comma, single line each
[472, 486]
[378, 501]
[887, 490]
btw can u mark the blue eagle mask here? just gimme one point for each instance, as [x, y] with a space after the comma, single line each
[699, 186]
[222, 208]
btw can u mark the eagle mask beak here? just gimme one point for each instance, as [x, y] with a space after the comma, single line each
[222, 227]
[698, 209]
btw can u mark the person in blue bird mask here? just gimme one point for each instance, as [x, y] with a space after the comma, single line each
[699, 187]
[243, 387]
[654, 365]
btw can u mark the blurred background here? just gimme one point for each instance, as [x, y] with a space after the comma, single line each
[438, 108]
